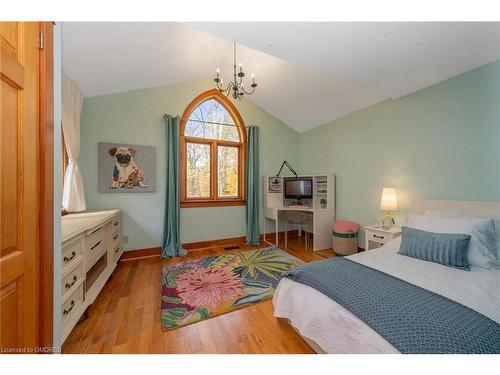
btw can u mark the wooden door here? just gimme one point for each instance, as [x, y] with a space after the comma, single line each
[19, 186]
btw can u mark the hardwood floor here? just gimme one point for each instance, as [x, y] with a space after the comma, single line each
[125, 317]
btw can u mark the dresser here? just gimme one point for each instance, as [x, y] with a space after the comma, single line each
[91, 248]
[376, 236]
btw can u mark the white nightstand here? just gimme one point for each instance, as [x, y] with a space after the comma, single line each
[377, 236]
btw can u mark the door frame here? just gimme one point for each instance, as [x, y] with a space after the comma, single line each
[46, 188]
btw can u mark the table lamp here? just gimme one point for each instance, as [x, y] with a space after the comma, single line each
[388, 203]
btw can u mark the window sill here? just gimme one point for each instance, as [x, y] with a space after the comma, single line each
[220, 203]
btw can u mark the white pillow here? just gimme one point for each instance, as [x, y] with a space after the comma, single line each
[482, 250]
[439, 213]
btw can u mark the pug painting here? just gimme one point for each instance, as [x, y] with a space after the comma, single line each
[126, 168]
[126, 172]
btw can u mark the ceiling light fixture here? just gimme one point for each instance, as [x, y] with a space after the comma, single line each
[235, 87]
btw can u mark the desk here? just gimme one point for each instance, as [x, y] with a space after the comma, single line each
[322, 206]
[321, 227]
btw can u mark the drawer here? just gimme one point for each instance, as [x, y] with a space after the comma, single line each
[95, 246]
[378, 237]
[73, 304]
[71, 280]
[117, 251]
[116, 223]
[70, 253]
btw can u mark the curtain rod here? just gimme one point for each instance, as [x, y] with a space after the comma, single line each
[220, 123]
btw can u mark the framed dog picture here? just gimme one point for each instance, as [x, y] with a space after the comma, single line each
[125, 168]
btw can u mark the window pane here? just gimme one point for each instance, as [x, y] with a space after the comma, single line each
[227, 181]
[197, 170]
[213, 111]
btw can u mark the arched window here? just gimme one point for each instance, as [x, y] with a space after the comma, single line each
[212, 155]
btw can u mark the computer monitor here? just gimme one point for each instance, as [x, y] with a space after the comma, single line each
[300, 188]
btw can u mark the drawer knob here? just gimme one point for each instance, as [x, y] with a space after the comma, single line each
[66, 312]
[66, 259]
[69, 285]
[116, 223]
[117, 249]
[93, 247]
[115, 236]
[377, 236]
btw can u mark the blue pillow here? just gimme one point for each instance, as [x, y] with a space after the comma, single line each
[447, 249]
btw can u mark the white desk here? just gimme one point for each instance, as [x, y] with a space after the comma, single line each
[321, 225]
[322, 206]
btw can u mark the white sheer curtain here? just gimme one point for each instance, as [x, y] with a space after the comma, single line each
[73, 191]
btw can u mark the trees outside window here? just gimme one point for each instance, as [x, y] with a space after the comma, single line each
[212, 155]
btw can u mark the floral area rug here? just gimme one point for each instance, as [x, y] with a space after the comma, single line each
[203, 288]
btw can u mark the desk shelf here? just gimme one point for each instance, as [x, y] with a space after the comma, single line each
[323, 217]
[321, 187]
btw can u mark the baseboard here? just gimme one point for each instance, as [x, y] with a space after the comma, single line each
[141, 253]
[234, 241]
[213, 243]
[194, 246]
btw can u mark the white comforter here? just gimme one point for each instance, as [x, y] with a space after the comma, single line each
[336, 330]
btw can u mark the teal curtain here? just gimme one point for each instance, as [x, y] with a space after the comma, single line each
[252, 186]
[171, 246]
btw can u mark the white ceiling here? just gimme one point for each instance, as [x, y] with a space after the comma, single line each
[308, 73]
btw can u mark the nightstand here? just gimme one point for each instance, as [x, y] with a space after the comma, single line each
[377, 236]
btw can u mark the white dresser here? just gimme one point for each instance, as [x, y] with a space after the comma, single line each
[376, 236]
[91, 247]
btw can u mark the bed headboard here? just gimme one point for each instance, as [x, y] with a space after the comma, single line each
[476, 209]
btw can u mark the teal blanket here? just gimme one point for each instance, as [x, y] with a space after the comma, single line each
[412, 319]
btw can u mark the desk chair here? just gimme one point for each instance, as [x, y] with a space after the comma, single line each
[299, 219]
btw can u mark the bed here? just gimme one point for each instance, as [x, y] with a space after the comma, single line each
[330, 328]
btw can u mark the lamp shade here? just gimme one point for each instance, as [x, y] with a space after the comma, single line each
[389, 200]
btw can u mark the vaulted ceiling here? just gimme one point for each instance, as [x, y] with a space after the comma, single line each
[308, 73]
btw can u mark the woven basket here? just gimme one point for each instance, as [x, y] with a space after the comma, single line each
[345, 243]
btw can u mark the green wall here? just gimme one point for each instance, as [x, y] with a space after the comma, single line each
[442, 142]
[136, 117]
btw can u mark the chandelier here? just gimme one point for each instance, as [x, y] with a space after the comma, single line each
[235, 87]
